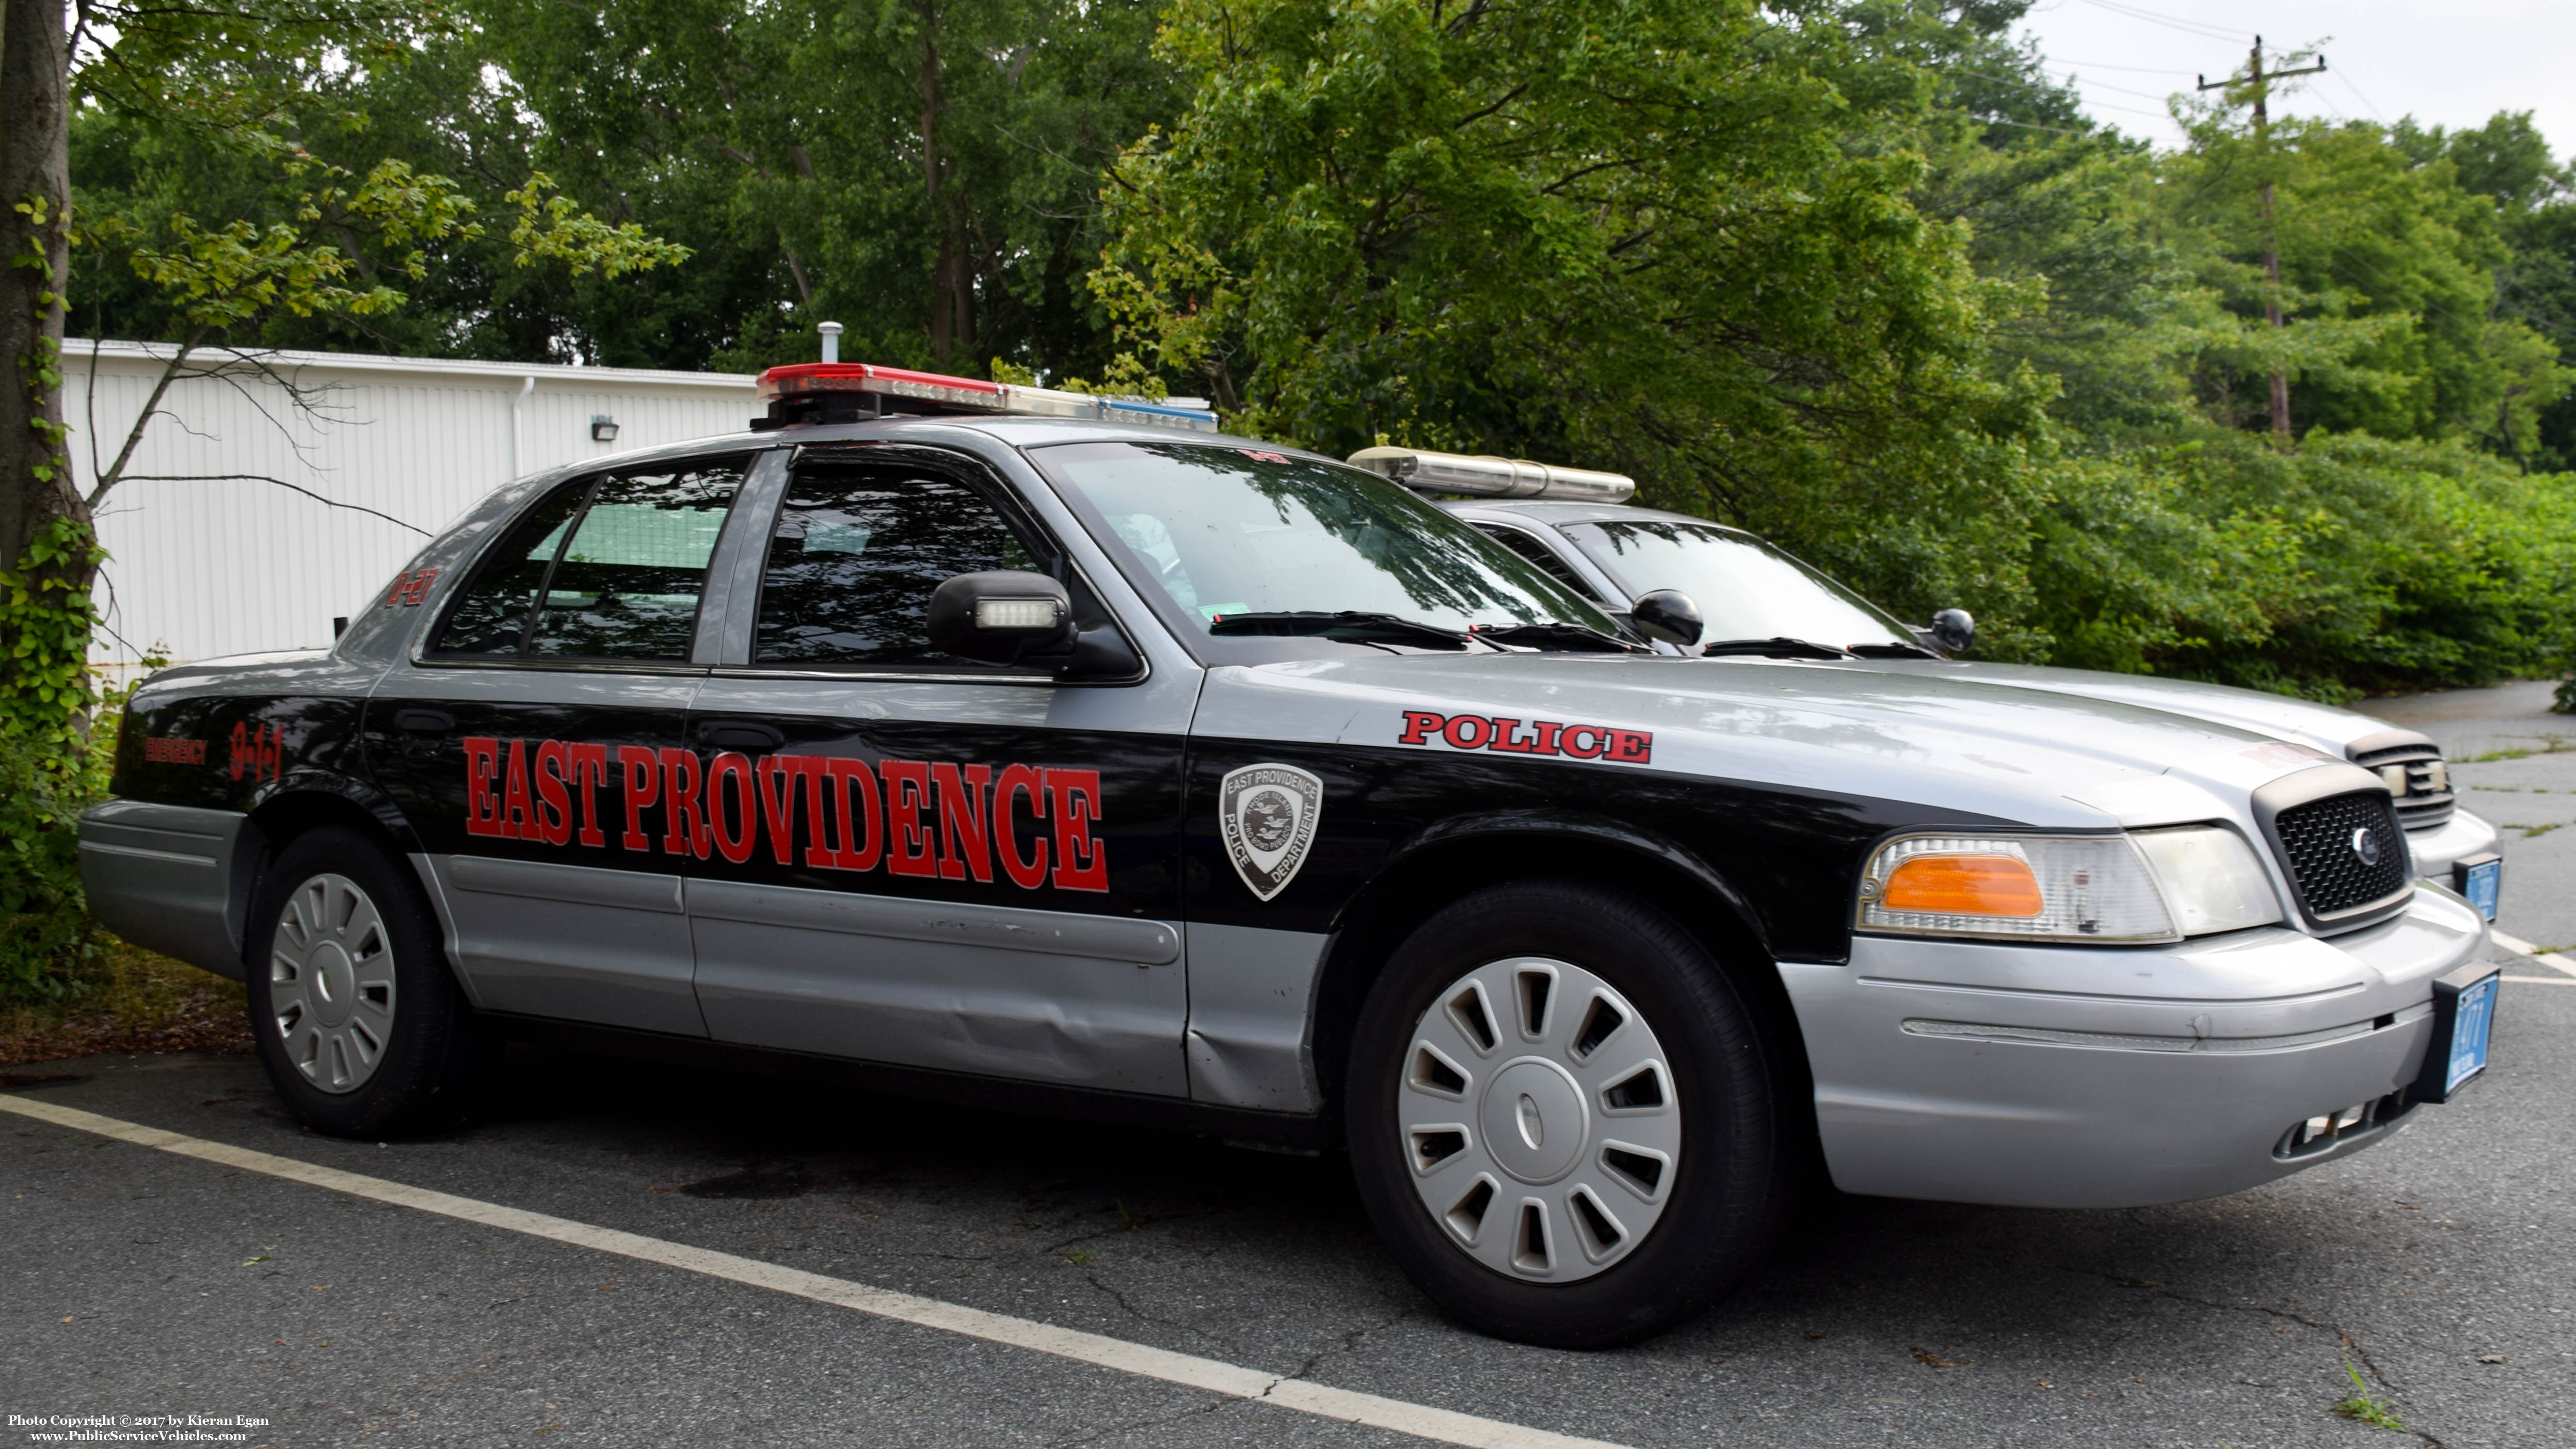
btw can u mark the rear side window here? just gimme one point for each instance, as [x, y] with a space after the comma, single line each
[608, 569]
[1540, 554]
[854, 558]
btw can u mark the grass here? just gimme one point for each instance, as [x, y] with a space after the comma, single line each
[130, 1000]
[2363, 1409]
[2530, 831]
[2549, 745]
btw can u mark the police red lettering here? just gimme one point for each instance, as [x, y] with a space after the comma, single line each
[1081, 864]
[907, 795]
[936, 819]
[1503, 734]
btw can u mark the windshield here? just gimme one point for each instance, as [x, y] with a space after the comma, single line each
[1208, 532]
[1745, 588]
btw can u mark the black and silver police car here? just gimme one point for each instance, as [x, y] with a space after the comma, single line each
[935, 733]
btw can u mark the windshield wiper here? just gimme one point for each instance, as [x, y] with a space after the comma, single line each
[1892, 651]
[1775, 648]
[1562, 638]
[1348, 626]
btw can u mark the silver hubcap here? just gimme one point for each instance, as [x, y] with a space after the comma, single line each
[1539, 1119]
[331, 983]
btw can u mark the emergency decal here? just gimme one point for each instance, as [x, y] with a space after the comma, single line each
[259, 752]
[1267, 814]
[1505, 735]
[172, 750]
[410, 589]
[935, 819]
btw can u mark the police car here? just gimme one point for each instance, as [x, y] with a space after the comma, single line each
[1759, 602]
[1067, 755]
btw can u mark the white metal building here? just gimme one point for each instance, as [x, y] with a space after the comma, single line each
[206, 565]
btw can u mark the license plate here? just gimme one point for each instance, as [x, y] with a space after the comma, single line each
[2472, 1022]
[2481, 884]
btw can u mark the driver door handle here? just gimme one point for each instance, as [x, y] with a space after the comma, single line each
[739, 734]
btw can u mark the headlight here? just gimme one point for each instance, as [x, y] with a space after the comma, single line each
[2211, 878]
[2158, 885]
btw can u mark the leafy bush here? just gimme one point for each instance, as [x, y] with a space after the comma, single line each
[53, 763]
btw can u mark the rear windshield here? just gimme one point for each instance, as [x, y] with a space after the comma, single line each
[1205, 532]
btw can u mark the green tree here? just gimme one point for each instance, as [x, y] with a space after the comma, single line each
[1664, 237]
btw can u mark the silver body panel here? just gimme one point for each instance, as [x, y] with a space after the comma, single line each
[1252, 1017]
[572, 942]
[2067, 1077]
[163, 877]
[1047, 996]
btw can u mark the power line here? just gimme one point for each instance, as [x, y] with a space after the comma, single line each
[2124, 90]
[2141, 69]
[2346, 77]
[2175, 22]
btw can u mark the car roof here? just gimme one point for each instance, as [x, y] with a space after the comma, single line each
[1017, 430]
[1554, 512]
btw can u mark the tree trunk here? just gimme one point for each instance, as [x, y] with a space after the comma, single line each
[36, 486]
[952, 275]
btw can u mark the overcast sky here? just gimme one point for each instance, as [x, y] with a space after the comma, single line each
[2447, 62]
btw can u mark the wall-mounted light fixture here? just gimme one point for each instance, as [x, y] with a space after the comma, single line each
[603, 428]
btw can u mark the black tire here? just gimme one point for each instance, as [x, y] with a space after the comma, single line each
[1731, 1190]
[433, 1051]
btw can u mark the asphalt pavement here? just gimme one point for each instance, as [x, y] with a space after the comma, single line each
[2514, 763]
[2439, 1267]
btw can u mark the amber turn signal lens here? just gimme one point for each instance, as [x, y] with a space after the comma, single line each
[1963, 885]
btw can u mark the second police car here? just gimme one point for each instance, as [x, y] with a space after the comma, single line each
[1758, 602]
[1023, 748]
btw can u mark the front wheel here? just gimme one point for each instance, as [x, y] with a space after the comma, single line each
[361, 1027]
[1561, 1118]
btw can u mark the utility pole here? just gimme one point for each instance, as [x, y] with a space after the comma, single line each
[2262, 84]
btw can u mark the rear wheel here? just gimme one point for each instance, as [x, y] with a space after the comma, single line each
[360, 1025]
[1561, 1119]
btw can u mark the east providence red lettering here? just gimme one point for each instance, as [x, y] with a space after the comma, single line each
[1503, 734]
[935, 819]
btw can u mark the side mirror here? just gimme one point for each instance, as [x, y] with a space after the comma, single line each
[1954, 630]
[999, 616]
[1667, 615]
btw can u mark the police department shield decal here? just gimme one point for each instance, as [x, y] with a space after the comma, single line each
[1267, 815]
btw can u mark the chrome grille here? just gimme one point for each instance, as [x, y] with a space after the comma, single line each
[2422, 806]
[2317, 839]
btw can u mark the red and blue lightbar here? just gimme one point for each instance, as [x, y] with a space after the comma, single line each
[817, 379]
[802, 392]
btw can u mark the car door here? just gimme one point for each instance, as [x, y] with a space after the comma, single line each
[912, 859]
[533, 741]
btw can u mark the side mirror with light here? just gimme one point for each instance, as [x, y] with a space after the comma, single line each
[1954, 630]
[1667, 615]
[1007, 616]
[1001, 616]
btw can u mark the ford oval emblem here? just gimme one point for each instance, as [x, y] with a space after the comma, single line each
[2365, 843]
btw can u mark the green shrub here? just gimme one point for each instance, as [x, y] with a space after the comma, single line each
[54, 762]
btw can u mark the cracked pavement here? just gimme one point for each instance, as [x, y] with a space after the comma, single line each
[142, 1280]
[2439, 1266]
[2514, 762]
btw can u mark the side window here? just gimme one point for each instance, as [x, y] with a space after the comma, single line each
[627, 585]
[855, 555]
[1542, 556]
[609, 568]
[492, 616]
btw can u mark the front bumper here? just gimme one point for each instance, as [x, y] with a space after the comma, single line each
[2102, 1077]
[2457, 838]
